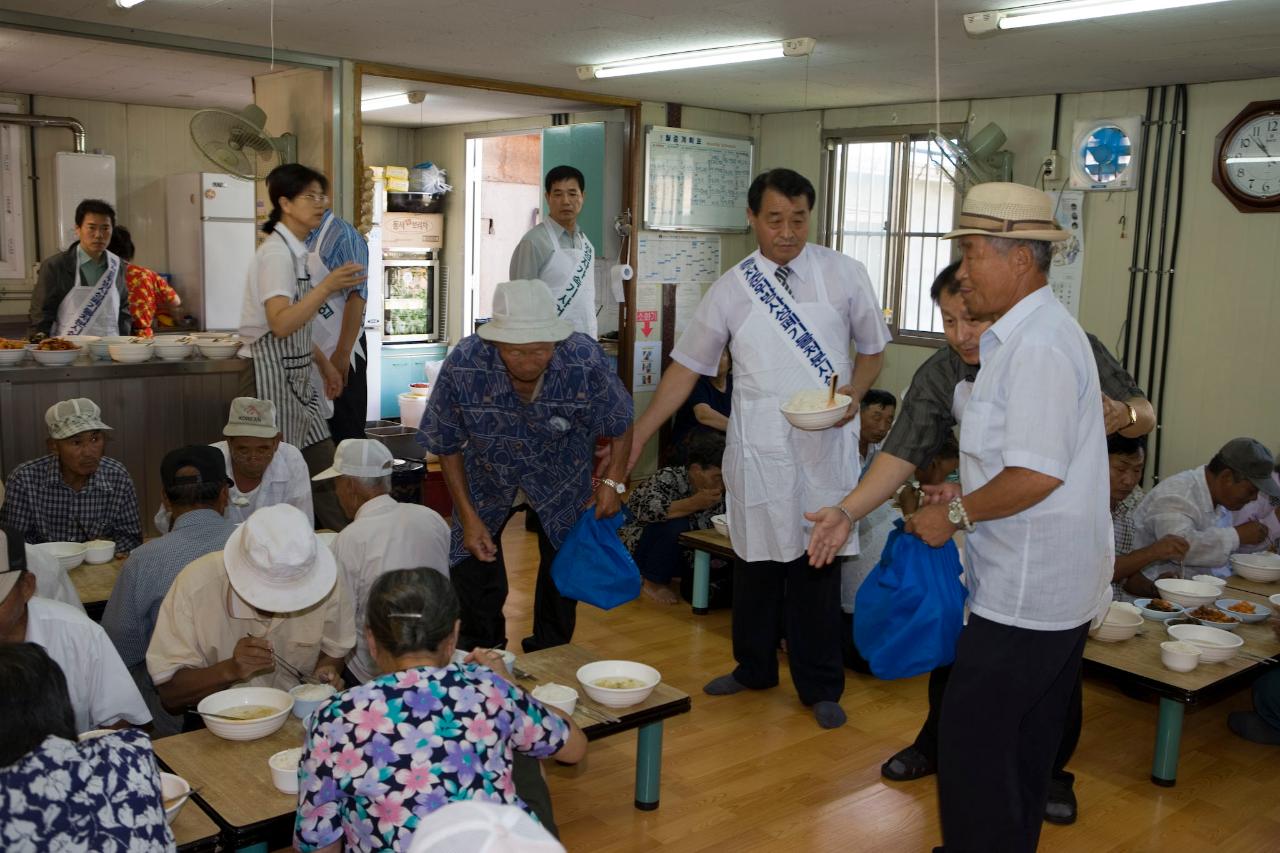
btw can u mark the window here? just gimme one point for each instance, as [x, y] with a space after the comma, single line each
[888, 205]
[12, 233]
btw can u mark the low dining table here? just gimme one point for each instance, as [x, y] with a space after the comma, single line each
[94, 584]
[194, 831]
[705, 545]
[1135, 664]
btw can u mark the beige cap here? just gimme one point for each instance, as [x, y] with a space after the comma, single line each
[524, 312]
[359, 457]
[252, 417]
[72, 417]
[276, 562]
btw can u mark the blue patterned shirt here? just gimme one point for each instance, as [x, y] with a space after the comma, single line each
[544, 447]
[146, 576]
[342, 244]
[102, 795]
[41, 505]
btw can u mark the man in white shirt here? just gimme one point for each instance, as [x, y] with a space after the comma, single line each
[264, 469]
[1039, 550]
[102, 693]
[1196, 505]
[557, 252]
[788, 314]
[383, 535]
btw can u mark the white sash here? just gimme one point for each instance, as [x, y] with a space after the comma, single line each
[576, 278]
[75, 316]
[788, 320]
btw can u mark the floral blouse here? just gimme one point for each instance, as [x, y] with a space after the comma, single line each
[652, 500]
[381, 756]
[101, 795]
[147, 292]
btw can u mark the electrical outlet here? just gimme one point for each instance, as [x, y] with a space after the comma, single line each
[1050, 166]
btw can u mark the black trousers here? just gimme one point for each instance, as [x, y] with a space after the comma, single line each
[806, 601]
[927, 741]
[482, 592]
[1003, 714]
[658, 553]
[351, 406]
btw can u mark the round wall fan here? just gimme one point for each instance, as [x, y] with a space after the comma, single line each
[237, 143]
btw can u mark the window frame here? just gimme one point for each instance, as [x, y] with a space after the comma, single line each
[892, 289]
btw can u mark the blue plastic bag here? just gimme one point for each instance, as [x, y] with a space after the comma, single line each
[593, 565]
[909, 611]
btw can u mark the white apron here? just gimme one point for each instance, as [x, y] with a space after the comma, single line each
[93, 310]
[327, 327]
[773, 472]
[571, 277]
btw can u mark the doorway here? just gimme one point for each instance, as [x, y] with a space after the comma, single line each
[504, 194]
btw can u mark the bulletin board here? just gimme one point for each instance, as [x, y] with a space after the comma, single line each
[696, 181]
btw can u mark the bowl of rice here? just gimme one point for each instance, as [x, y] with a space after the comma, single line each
[810, 409]
[308, 697]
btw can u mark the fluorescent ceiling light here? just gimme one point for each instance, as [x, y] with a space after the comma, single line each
[979, 23]
[127, 4]
[698, 58]
[386, 102]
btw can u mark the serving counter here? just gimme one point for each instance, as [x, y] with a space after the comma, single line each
[152, 408]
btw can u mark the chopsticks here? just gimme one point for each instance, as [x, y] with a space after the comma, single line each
[1256, 658]
[586, 710]
[831, 397]
[294, 671]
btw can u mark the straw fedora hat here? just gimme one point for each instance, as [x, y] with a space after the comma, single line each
[524, 312]
[1013, 211]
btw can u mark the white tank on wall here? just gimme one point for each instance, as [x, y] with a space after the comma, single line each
[75, 178]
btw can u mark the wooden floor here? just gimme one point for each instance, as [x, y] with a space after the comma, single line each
[753, 772]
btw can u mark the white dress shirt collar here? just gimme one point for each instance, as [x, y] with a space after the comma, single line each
[1022, 309]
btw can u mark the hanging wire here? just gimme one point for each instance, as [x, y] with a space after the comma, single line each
[272, 27]
[937, 71]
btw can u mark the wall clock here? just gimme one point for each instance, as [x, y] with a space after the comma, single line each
[1246, 159]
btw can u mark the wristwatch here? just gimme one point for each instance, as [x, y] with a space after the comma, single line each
[620, 488]
[957, 516]
[1133, 415]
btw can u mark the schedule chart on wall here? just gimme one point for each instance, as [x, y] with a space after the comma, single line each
[696, 181]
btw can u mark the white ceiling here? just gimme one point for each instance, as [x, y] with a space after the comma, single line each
[456, 104]
[68, 67]
[869, 51]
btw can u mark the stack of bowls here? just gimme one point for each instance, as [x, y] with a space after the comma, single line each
[1121, 623]
[1263, 566]
[134, 352]
[1190, 594]
[1214, 645]
[173, 348]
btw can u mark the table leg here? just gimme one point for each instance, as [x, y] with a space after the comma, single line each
[648, 765]
[701, 581]
[1164, 767]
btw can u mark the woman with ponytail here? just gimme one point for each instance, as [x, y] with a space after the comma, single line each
[282, 298]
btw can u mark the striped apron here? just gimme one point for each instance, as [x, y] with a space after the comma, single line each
[282, 369]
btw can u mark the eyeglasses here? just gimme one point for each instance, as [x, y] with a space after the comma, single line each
[245, 454]
[318, 199]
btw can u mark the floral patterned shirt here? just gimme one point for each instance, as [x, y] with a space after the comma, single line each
[381, 756]
[102, 794]
[652, 500]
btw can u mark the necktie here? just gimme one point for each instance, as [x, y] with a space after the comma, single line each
[782, 274]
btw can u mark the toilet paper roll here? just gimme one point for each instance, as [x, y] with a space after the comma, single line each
[617, 275]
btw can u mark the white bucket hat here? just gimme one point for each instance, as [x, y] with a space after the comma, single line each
[359, 457]
[1012, 211]
[276, 562]
[72, 417]
[524, 312]
[252, 417]
[475, 826]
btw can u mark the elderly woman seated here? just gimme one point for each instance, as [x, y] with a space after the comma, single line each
[381, 756]
[674, 500]
[56, 793]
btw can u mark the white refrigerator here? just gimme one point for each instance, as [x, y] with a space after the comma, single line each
[211, 244]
